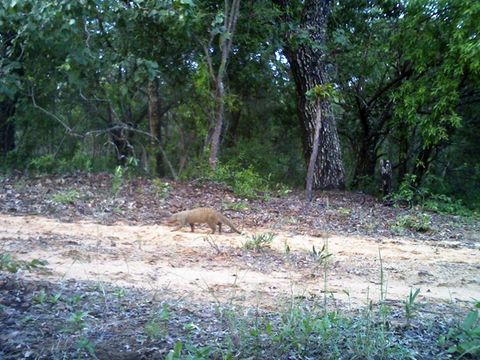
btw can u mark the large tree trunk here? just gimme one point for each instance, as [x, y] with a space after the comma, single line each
[308, 66]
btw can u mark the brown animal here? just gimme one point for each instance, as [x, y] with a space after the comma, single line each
[199, 216]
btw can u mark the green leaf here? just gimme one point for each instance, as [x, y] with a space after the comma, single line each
[470, 321]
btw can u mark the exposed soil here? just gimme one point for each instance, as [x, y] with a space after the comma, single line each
[124, 242]
[185, 265]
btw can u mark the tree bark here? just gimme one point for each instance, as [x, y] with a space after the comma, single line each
[424, 159]
[120, 138]
[231, 136]
[309, 68]
[403, 146]
[231, 13]
[218, 124]
[8, 106]
[314, 154]
[365, 162]
[155, 124]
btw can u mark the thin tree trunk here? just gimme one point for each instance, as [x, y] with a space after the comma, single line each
[403, 145]
[219, 120]
[231, 13]
[314, 154]
[8, 105]
[154, 120]
[423, 162]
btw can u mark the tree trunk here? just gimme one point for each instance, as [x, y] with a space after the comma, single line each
[314, 154]
[219, 120]
[155, 123]
[7, 126]
[8, 106]
[231, 13]
[365, 162]
[424, 159]
[120, 139]
[403, 145]
[231, 136]
[308, 66]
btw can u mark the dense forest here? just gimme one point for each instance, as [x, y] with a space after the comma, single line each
[275, 93]
[335, 140]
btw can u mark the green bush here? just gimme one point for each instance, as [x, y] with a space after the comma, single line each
[243, 182]
[44, 164]
[50, 165]
[259, 242]
[443, 204]
[407, 191]
[162, 188]
[465, 336]
[416, 222]
[66, 197]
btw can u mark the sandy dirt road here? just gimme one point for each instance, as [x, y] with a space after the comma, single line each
[184, 265]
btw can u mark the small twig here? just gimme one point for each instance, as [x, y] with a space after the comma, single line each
[209, 239]
[63, 123]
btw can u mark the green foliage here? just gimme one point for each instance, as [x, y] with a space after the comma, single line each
[157, 326]
[153, 329]
[466, 336]
[40, 297]
[322, 92]
[245, 183]
[117, 180]
[44, 164]
[8, 263]
[321, 256]
[84, 344]
[407, 190]
[415, 222]
[66, 197]
[236, 206]
[50, 165]
[78, 73]
[410, 304]
[162, 188]
[176, 353]
[76, 321]
[444, 204]
[258, 242]
[297, 331]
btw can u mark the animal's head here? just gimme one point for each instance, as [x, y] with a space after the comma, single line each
[172, 219]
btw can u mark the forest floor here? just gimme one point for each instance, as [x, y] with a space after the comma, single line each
[119, 261]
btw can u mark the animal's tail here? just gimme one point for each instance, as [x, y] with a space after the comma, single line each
[229, 223]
